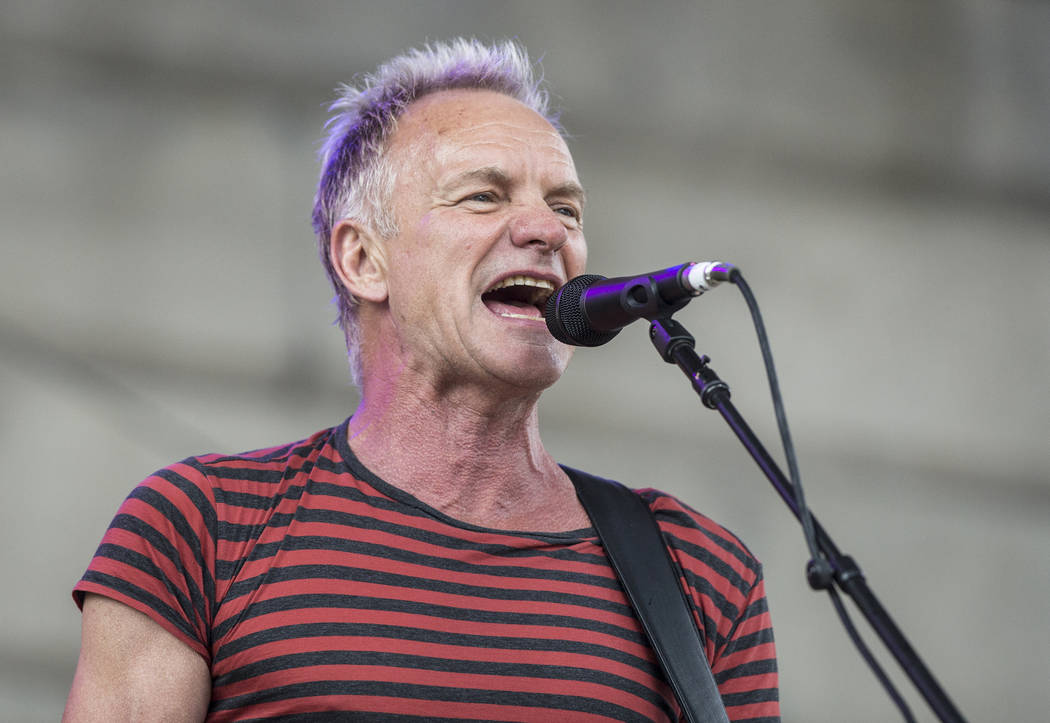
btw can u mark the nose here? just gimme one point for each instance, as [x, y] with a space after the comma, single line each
[540, 227]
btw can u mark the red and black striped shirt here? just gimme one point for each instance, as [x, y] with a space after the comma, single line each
[317, 591]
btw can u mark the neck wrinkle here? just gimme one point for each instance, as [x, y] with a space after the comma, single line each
[476, 459]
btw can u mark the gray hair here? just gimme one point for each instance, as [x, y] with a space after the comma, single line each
[357, 181]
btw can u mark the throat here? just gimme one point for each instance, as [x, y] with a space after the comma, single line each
[485, 467]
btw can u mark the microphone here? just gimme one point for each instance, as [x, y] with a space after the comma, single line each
[590, 310]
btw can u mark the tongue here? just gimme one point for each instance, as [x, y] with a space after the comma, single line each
[517, 309]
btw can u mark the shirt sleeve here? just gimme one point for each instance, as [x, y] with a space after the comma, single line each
[158, 555]
[746, 666]
[725, 586]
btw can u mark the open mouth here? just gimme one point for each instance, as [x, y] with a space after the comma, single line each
[518, 297]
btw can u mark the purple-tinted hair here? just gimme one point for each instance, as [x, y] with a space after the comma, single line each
[356, 181]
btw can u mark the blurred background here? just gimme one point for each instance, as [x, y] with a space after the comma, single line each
[880, 171]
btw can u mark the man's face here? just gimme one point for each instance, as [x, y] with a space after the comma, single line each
[489, 209]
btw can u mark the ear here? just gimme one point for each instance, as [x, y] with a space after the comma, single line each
[359, 260]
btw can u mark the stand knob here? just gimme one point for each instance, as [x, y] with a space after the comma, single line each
[819, 574]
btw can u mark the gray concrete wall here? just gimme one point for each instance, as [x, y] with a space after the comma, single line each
[880, 171]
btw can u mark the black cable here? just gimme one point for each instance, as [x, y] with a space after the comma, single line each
[819, 573]
[869, 658]
[778, 408]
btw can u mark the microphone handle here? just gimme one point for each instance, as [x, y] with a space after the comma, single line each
[614, 303]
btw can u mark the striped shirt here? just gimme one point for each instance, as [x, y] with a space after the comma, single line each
[316, 590]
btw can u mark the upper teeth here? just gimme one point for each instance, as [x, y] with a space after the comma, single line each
[524, 281]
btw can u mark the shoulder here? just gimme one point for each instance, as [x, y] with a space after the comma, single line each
[180, 536]
[245, 478]
[680, 521]
[701, 546]
[694, 535]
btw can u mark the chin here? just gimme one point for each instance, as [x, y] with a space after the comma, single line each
[536, 371]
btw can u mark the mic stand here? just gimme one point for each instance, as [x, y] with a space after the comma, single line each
[676, 346]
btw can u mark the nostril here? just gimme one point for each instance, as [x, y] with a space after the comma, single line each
[555, 247]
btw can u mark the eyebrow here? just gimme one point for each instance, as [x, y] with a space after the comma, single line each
[497, 177]
[486, 174]
[570, 188]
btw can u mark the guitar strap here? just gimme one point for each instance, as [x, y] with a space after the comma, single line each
[636, 549]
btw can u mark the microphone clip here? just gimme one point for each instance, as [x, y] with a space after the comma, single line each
[675, 345]
[646, 296]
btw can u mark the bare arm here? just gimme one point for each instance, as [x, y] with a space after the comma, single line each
[132, 669]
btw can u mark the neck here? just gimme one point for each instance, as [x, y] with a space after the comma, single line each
[475, 458]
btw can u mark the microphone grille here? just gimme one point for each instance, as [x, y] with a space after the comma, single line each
[565, 317]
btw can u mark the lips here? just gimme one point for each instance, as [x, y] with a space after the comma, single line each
[518, 297]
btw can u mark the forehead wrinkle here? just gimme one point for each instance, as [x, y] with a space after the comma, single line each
[436, 142]
[492, 168]
[454, 145]
[454, 128]
[498, 177]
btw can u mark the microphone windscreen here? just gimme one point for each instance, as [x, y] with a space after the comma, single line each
[565, 316]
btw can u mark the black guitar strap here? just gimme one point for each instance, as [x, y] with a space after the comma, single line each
[637, 552]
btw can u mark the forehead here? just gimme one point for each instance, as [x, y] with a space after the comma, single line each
[447, 123]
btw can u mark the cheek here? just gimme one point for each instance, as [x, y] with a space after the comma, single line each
[576, 258]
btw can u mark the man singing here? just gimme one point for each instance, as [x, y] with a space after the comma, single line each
[426, 558]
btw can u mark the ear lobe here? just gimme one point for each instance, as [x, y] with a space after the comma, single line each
[359, 260]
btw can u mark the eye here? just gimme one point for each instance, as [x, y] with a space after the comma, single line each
[569, 211]
[482, 197]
